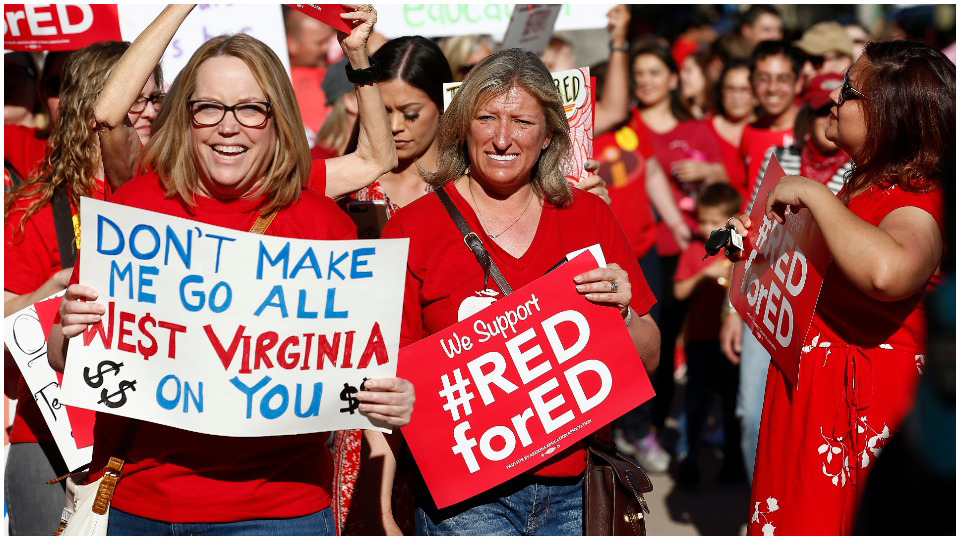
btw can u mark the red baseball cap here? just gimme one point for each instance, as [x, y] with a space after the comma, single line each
[817, 92]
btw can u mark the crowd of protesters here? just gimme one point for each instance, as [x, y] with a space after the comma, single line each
[863, 126]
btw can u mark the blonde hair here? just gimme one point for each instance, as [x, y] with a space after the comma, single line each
[337, 128]
[458, 49]
[170, 153]
[72, 157]
[494, 76]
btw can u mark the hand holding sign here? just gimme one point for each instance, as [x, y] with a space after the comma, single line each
[776, 283]
[515, 384]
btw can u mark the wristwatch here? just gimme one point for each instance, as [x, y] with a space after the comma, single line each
[366, 75]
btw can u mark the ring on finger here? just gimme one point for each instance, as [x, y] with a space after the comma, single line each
[728, 221]
[614, 286]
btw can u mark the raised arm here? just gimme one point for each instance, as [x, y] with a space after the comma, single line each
[658, 189]
[120, 146]
[613, 106]
[375, 154]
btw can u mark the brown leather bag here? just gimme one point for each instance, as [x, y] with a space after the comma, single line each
[613, 488]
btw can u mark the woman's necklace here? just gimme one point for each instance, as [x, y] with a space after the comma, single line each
[495, 236]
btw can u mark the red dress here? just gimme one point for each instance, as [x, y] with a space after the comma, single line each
[857, 378]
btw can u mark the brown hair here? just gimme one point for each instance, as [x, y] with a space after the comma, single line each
[170, 153]
[720, 195]
[72, 157]
[910, 117]
[492, 77]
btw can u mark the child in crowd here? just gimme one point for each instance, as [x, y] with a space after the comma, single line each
[703, 281]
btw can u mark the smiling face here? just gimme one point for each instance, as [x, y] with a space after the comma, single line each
[230, 158]
[775, 84]
[505, 138]
[143, 120]
[652, 80]
[736, 93]
[414, 118]
[847, 126]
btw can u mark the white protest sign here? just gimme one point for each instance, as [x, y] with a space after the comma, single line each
[231, 333]
[439, 20]
[262, 21]
[25, 339]
[531, 27]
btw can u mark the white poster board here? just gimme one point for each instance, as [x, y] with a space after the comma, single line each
[262, 21]
[438, 20]
[25, 339]
[231, 333]
[531, 27]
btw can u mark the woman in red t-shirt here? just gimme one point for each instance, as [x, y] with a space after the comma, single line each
[896, 115]
[690, 154]
[229, 151]
[735, 110]
[507, 125]
[33, 270]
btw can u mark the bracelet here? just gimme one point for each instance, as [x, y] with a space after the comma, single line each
[624, 48]
[365, 75]
[629, 317]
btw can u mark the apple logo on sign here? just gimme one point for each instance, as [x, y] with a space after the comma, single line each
[474, 304]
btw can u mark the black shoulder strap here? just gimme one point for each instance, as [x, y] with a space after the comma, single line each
[473, 242]
[63, 221]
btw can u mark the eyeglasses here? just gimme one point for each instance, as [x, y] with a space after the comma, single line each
[251, 114]
[846, 90]
[140, 104]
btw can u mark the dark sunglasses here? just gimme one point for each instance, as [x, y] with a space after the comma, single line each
[848, 92]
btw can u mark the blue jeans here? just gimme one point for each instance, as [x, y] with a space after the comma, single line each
[316, 524]
[754, 362]
[525, 506]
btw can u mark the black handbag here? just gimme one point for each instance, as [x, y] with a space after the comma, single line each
[613, 484]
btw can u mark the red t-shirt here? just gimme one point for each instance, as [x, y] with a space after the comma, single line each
[732, 162]
[179, 476]
[307, 88]
[703, 316]
[623, 158]
[690, 139]
[31, 257]
[753, 146]
[23, 150]
[850, 315]
[318, 176]
[443, 275]
[322, 152]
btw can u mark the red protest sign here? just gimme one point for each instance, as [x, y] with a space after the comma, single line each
[517, 383]
[776, 284]
[58, 27]
[328, 14]
[81, 420]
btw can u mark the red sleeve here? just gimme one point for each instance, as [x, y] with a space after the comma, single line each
[931, 203]
[318, 176]
[411, 322]
[690, 262]
[616, 248]
[28, 253]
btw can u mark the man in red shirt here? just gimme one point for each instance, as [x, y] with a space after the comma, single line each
[308, 41]
[775, 77]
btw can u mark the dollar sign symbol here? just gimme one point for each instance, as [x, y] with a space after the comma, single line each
[348, 395]
[96, 381]
[105, 396]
